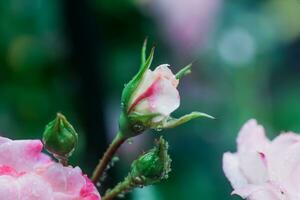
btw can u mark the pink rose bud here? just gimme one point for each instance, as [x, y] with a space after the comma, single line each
[262, 169]
[156, 93]
[27, 173]
[150, 97]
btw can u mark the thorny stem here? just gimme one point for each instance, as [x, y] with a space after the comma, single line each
[123, 187]
[113, 147]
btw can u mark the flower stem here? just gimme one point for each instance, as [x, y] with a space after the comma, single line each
[123, 187]
[113, 147]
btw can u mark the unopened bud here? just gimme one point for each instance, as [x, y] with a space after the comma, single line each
[59, 137]
[154, 165]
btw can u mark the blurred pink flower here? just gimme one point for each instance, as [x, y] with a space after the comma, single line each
[157, 93]
[262, 169]
[26, 173]
[185, 23]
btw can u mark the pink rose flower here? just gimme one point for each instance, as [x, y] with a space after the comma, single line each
[150, 97]
[262, 169]
[28, 174]
[157, 93]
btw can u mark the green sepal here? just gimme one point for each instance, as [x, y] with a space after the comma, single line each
[59, 137]
[154, 165]
[145, 119]
[143, 53]
[133, 83]
[184, 71]
[173, 122]
[135, 123]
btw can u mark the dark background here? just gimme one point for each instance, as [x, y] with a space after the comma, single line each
[75, 56]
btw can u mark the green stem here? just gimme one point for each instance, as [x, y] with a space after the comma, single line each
[123, 187]
[102, 165]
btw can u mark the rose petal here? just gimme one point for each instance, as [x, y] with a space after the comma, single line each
[232, 170]
[166, 100]
[8, 188]
[252, 145]
[259, 192]
[33, 187]
[284, 160]
[271, 170]
[165, 72]
[22, 155]
[148, 79]
[252, 137]
[27, 174]
[156, 93]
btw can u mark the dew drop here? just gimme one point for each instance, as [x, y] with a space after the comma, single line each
[138, 128]
[129, 141]
[159, 128]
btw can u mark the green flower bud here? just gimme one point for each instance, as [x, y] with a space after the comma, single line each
[153, 166]
[59, 137]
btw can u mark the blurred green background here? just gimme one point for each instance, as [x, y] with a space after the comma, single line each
[74, 57]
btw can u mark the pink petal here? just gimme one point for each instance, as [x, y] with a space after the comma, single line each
[157, 93]
[28, 174]
[271, 169]
[285, 160]
[252, 136]
[56, 177]
[166, 100]
[88, 191]
[27, 152]
[8, 188]
[4, 140]
[266, 191]
[33, 187]
[232, 170]
[75, 179]
[259, 192]
[147, 81]
[165, 72]
[252, 145]
[254, 167]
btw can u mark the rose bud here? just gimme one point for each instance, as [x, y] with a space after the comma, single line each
[150, 97]
[60, 138]
[154, 165]
[150, 168]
